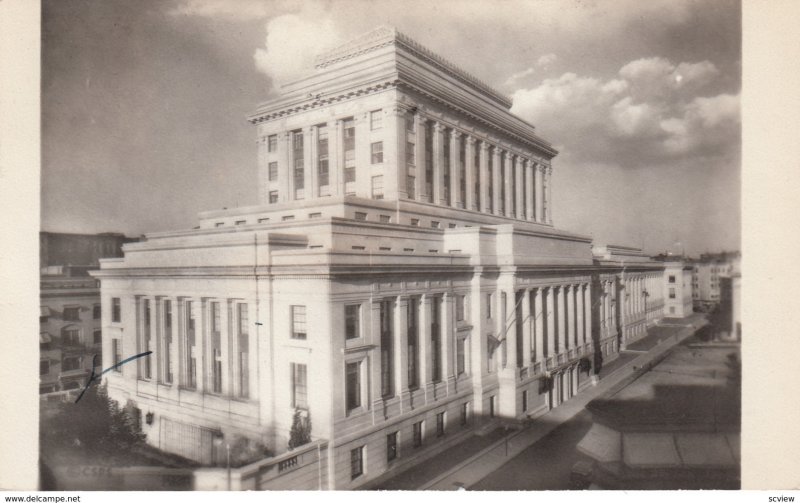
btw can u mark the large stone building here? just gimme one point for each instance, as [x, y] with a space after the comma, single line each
[706, 277]
[401, 280]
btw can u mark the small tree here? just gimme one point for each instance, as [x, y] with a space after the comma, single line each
[300, 433]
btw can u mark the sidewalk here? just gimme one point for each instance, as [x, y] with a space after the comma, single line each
[472, 469]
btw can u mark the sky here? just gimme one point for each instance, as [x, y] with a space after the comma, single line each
[144, 104]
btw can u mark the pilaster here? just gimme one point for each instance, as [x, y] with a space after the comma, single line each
[469, 155]
[519, 202]
[455, 169]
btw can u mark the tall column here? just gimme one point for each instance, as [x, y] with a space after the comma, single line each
[285, 171]
[455, 169]
[508, 181]
[225, 346]
[308, 143]
[538, 322]
[448, 335]
[200, 329]
[469, 155]
[549, 196]
[438, 164]
[551, 321]
[529, 190]
[562, 318]
[496, 169]
[519, 204]
[425, 370]
[511, 326]
[580, 334]
[401, 345]
[375, 367]
[570, 316]
[538, 170]
[527, 325]
[422, 180]
[335, 163]
[587, 301]
[484, 177]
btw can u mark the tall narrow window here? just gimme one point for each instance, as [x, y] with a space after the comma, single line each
[273, 171]
[299, 167]
[461, 360]
[116, 310]
[273, 196]
[244, 349]
[460, 300]
[167, 364]
[216, 348]
[429, 160]
[391, 446]
[411, 187]
[489, 305]
[436, 337]
[148, 343]
[413, 344]
[357, 462]
[490, 202]
[376, 149]
[440, 424]
[272, 143]
[353, 385]
[377, 187]
[299, 322]
[375, 119]
[464, 413]
[416, 430]
[387, 348]
[96, 311]
[299, 386]
[462, 169]
[322, 163]
[524, 400]
[349, 156]
[191, 347]
[411, 154]
[352, 321]
[476, 169]
[447, 171]
[116, 350]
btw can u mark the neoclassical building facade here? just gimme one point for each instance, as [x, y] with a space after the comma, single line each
[401, 281]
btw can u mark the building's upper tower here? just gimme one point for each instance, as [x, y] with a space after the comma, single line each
[385, 118]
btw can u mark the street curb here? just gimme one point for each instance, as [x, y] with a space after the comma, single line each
[614, 388]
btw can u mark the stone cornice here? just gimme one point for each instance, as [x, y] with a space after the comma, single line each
[386, 36]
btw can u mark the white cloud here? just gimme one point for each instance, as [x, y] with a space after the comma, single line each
[239, 9]
[652, 113]
[519, 76]
[546, 60]
[292, 43]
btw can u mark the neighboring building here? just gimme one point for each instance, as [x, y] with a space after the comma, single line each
[401, 281]
[70, 332]
[678, 289]
[706, 274]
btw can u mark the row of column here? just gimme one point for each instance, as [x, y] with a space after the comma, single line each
[555, 319]
[509, 184]
[186, 348]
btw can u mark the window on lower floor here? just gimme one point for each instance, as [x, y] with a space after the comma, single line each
[44, 367]
[417, 434]
[299, 375]
[299, 322]
[357, 462]
[70, 363]
[273, 196]
[117, 352]
[461, 359]
[353, 386]
[464, 413]
[72, 314]
[377, 187]
[391, 446]
[96, 312]
[524, 400]
[97, 337]
[440, 417]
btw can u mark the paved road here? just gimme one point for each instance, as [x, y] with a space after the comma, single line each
[545, 465]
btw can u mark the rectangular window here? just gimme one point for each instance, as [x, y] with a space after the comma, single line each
[429, 160]
[96, 312]
[524, 400]
[356, 462]
[299, 164]
[116, 349]
[299, 376]
[387, 348]
[299, 322]
[410, 123]
[461, 360]
[97, 337]
[70, 363]
[244, 349]
[385, 219]
[489, 306]
[315, 215]
[273, 196]
[411, 187]
[240, 222]
[411, 153]
[273, 171]
[44, 367]
[349, 156]
[671, 293]
[464, 414]
[492, 406]
[672, 279]
[287, 218]
[353, 385]
[71, 336]
[440, 424]
[417, 429]
[72, 314]
[375, 119]
[352, 321]
[272, 143]
[191, 347]
[436, 337]
[376, 149]
[216, 348]
[391, 446]
[116, 310]
[360, 215]
[415, 222]
[434, 224]
[377, 187]
[460, 301]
